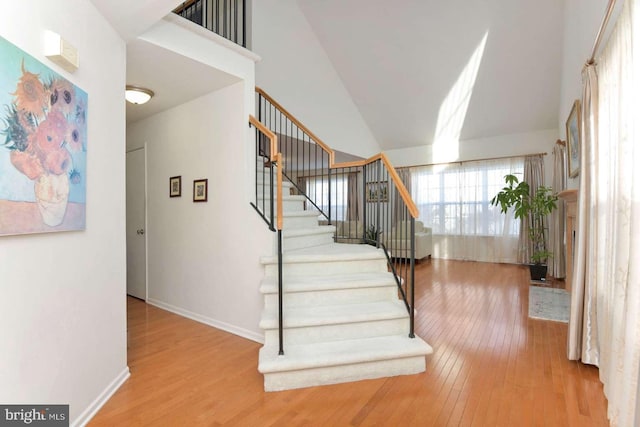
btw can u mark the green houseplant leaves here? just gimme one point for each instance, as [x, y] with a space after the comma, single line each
[530, 208]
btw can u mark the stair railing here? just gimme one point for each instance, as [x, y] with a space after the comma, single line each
[227, 18]
[267, 199]
[366, 199]
[304, 153]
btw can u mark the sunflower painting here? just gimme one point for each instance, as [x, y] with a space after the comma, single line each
[43, 147]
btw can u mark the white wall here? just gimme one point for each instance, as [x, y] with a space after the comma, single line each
[498, 146]
[203, 257]
[296, 71]
[582, 21]
[62, 310]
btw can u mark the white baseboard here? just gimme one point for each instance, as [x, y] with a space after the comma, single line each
[244, 333]
[99, 402]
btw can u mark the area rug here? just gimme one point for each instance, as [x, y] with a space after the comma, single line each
[549, 304]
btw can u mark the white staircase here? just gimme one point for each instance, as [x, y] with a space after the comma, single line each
[343, 320]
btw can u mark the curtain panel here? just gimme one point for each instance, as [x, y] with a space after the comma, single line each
[534, 175]
[557, 263]
[354, 198]
[605, 314]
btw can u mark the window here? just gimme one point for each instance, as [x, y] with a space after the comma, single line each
[454, 199]
[317, 189]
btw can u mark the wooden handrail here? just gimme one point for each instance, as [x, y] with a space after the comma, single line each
[182, 6]
[411, 206]
[406, 197]
[290, 116]
[272, 137]
[274, 156]
[404, 193]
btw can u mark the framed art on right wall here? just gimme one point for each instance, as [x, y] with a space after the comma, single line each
[200, 190]
[573, 140]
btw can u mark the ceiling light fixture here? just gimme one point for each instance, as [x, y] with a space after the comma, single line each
[137, 95]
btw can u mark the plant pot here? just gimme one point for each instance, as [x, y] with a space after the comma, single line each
[538, 271]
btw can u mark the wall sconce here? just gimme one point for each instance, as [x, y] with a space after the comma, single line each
[137, 95]
[60, 51]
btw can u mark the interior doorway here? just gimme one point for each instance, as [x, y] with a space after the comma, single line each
[136, 224]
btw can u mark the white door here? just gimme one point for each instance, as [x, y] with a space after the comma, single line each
[136, 223]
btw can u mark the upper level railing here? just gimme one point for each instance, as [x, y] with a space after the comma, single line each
[227, 18]
[366, 199]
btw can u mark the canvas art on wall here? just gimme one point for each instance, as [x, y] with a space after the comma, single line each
[573, 140]
[43, 147]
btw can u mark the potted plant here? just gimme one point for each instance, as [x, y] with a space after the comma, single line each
[532, 209]
[371, 235]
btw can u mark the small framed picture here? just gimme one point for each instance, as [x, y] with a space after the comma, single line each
[573, 140]
[377, 192]
[175, 186]
[200, 190]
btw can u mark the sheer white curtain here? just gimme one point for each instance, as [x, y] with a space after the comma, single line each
[453, 200]
[607, 273]
[317, 189]
[583, 336]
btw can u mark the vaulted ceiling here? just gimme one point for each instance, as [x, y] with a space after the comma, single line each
[420, 70]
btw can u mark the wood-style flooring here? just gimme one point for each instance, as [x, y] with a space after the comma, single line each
[491, 366]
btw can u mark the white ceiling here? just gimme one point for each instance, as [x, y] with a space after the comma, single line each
[175, 79]
[132, 18]
[400, 59]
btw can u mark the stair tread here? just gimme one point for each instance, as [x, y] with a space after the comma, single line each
[297, 317]
[289, 197]
[305, 283]
[327, 253]
[315, 355]
[307, 213]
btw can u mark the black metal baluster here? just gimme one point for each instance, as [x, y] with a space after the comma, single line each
[257, 141]
[412, 279]
[235, 22]
[224, 18]
[280, 291]
[329, 195]
[244, 23]
[204, 15]
[365, 211]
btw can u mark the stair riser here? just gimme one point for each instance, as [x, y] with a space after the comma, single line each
[308, 241]
[339, 332]
[343, 373]
[265, 188]
[327, 268]
[290, 223]
[287, 205]
[332, 297]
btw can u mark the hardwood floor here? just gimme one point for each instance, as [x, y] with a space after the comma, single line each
[491, 366]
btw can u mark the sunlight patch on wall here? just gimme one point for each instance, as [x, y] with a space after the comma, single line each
[454, 109]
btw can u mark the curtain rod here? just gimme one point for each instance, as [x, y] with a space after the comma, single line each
[474, 160]
[603, 27]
